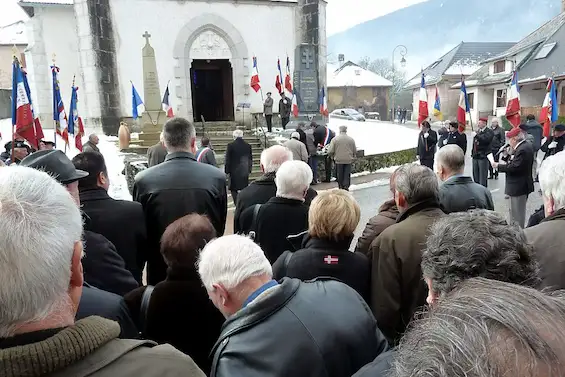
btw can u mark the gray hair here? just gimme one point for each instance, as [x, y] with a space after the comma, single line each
[552, 178]
[293, 179]
[452, 158]
[417, 183]
[478, 243]
[343, 129]
[487, 328]
[91, 137]
[272, 158]
[40, 225]
[178, 134]
[230, 260]
[295, 135]
[237, 133]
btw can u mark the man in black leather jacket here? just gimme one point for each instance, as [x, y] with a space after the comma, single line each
[175, 188]
[482, 142]
[319, 328]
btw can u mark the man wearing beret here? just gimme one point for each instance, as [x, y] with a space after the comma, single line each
[518, 169]
[555, 143]
[482, 141]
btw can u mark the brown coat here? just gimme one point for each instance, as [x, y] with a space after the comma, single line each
[377, 224]
[548, 238]
[156, 154]
[397, 287]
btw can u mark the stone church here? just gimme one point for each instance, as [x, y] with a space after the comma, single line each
[203, 48]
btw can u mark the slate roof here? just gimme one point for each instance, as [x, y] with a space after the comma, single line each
[350, 74]
[464, 58]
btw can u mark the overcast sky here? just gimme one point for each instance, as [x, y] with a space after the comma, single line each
[341, 14]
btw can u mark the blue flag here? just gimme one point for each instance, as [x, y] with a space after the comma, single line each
[555, 107]
[73, 111]
[135, 102]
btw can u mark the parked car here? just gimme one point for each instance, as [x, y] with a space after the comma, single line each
[373, 115]
[348, 114]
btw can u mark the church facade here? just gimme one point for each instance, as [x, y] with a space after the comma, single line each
[204, 51]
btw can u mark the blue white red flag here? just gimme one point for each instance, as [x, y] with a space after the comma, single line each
[22, 115]
[59, 114]
[513, 107]
[463, 108]
[136, 102]
[423, 112]
[75, 124]
[255, 82]
[278, 81]
[323, 103]
[288, 79]
[550, 109]
[166, 105]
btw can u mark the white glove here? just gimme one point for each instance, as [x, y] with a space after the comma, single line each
[445, 142]
[426, 135]
[552, 145]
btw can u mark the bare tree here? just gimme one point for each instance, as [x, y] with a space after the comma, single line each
[382, 67]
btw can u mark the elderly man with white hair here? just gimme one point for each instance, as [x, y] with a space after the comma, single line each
[238, 164]
[287, 328]
[283, 215]
[298, 148]
[42, 282]
[264, 188]
[548, 237]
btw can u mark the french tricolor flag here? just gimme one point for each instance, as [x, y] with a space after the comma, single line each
[255, 82]
[323, 103]
[463, 108]
[423, 112]
[22, 115]
[513, 107]
[294, 105]
[549, 110]
[166, 105]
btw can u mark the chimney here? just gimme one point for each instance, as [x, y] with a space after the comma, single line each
[341, 57]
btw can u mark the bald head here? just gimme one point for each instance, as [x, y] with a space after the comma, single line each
[272, 158]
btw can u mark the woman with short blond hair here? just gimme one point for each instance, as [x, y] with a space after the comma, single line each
[323, 250]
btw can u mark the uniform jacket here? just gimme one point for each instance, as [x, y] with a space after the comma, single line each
[397, 287]
[326, 320]
[156, 154]
[238, 163]
[206, 155]
[498, 140]
[89, 146]
[548, 239]
[298, 149]
[461, 194]
[276, 220]
[317, 257]
[343, 149]
[558, 148]
[180, 314]
[536, 130]
[108, 217]
[458, 138]
[90, 348]
[103, 267]
[377, 224]
[259, 192]
[518, 171]
[482, 143]
[94, 301]
[284, 108]
[268, 106]
[323, 136]
[427, 146]
[175, 188]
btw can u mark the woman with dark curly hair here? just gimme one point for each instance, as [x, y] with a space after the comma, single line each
[478, 243]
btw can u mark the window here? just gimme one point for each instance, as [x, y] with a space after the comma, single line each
[471, 100]
[500, 67]
[545, 50]
[501, 98]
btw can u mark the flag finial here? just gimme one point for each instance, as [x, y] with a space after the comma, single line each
[53, 58]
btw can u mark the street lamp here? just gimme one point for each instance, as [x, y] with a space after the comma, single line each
[403, 51]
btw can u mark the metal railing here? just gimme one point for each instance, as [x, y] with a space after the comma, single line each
[259, 125]
[203, 125]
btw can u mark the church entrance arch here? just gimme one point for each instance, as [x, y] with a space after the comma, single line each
[212, 69]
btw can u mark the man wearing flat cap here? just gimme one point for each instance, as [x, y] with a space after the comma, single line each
[103, 266]
[556, 142]
[482, 141]
[518, 169]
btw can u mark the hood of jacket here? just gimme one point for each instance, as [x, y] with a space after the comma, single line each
[558, 215]
[389, 209]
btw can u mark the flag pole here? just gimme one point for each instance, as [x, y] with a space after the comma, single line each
[54, 121]
[260, 88]
[16, 61]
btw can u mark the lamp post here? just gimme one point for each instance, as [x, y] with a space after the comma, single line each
[403, 51]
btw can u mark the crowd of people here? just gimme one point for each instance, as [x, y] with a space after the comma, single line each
[438, 284]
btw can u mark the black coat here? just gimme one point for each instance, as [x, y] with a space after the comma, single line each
[457, 138]
[482, 143]
[284, 108]
[319, 257]
[536, 130]
[427, 146]
[103, 267]
[171, 190]
[379, 367]
[121, 222]
[321, 328]
[181, 314]
[276, 220]
[518, 171]
[461, 194]
[498, 140]
[552, 151]
[323, 135]
[302, 137]
[238, 163]
[259, 192]
[108, 305]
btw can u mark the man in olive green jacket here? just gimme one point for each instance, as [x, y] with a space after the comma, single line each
[39, 300]
[344, 151]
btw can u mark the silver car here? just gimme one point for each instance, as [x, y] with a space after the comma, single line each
[348, 114]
